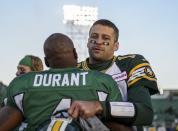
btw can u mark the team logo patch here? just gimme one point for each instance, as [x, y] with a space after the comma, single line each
[148, 71]
[120, 76]
[140, 72]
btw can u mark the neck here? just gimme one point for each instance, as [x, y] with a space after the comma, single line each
[65, 64]
[97, 61]
[99, 65]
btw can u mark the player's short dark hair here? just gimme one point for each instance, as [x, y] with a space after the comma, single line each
[108, 23]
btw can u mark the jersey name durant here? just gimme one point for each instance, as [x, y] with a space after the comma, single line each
[73, 79]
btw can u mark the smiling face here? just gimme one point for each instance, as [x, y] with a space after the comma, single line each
[101, 43]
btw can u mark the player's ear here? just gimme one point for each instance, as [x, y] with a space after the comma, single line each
[75, 54]
[46, 62]
[116, 47]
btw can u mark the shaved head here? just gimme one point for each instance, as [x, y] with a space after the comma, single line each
[59, 51]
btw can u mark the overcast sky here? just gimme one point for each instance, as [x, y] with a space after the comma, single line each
[147, 27]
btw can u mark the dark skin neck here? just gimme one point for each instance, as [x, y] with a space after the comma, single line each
[63, 64]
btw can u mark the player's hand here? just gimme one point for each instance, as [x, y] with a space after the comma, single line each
[84, 109]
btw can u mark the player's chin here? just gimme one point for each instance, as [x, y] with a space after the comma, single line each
[99, 59]
[113, 126]
[98, 56]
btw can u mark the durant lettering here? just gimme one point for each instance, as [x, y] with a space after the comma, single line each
[73, 79]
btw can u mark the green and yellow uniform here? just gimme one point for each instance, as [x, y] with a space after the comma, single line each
[136, 81]
[41, 95]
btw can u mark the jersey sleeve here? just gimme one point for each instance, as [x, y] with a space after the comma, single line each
[10, 100]
[141, 83]
[141, 99]
[15, 93]
[141, 74]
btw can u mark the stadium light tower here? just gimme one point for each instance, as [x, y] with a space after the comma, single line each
[78, 19]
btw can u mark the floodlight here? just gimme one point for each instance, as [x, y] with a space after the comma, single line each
[80, 15]
[78, 20]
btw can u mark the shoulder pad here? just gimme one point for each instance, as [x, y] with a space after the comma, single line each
[126, 56]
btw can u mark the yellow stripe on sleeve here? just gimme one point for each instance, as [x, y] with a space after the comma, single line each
[57, 125]
[138, 66]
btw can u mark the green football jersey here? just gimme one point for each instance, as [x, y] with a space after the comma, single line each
[136, 81]
[41, 95]
[128, 71]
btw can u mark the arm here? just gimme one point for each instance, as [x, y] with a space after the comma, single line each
[141, 99]
[107, 90]
[141, 84]
[141, 108]
[9, 118]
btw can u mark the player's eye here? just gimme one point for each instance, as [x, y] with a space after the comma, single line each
[92, 41]
[94, 36]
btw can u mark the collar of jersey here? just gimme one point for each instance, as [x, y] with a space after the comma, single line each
[63, 69]
[99, 67]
